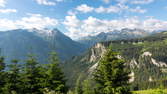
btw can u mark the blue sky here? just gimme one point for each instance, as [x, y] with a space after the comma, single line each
[79, 18]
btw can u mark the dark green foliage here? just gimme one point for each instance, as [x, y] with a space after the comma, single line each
[32, 76]
[56, 79]
[2, 64]
[2, 73]
[13, 78]
[111, 76]
[87, 87]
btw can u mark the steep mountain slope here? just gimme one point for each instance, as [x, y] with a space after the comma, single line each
[114, 35]
[17, 44]
[62, 44]
[145, 57]
[21, 42]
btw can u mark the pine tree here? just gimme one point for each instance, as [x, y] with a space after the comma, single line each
[86, 87]
[56, 78]
[13, 82]
[2, 73]
[32, 77]
[111, 76]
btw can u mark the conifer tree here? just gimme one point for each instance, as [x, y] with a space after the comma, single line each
[111, 76]
[32, 76]
[86, 87]
[56, 78]
[13, 83]
[2, 73]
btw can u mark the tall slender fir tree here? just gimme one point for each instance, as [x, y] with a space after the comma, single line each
[111, 75]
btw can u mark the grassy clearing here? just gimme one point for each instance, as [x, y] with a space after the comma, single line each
[151, 91]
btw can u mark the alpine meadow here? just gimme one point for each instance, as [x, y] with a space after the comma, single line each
[83, 47]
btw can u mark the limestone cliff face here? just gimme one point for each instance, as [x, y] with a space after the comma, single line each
[97, 52]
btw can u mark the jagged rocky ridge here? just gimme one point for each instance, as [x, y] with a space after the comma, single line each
[125, 33]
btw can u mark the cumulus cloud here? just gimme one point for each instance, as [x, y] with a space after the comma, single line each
[48, 2]
[110, 9]
[8, 10]
[72, 21]
[93, 26]
[2, 3]
[142, 1]
[135, 1]
[31, 21]
[84, 8]
[138, 9]
[6, 23]
[45, 2]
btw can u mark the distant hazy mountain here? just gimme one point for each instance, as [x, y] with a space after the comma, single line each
[114, 35]
[17, 44]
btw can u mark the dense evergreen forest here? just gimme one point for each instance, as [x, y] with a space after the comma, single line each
[31, 77]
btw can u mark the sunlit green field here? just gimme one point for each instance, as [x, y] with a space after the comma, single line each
[151, 91]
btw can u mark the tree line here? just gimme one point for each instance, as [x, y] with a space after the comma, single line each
[110, 77]
[31, 77]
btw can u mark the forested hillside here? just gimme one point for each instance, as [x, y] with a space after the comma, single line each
[146, 58]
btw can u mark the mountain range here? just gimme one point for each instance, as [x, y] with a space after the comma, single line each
[124, 33]
[17, 44]
[144, 52]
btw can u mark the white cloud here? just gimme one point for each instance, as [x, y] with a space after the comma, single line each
[101, 9]
[142, 1]
[70, 12]
[110, 9]
[7, 24]
[138, 9]
[8, 10]
[72, 21]
[84, 8]
[49, 2]
[92, 26]
[31, 21]
[2, 3]
[135, 1]
[46, 2]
